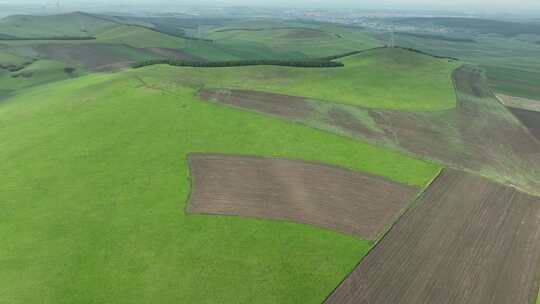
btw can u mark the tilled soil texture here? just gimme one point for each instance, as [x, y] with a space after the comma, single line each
[276, 104]
[466, 240]
[531, 119]
[479, 135]
[94, 56]
[302, 192]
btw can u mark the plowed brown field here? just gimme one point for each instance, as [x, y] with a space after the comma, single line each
[302, 192]
[467, 240]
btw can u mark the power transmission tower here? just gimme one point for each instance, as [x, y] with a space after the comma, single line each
[392, 42]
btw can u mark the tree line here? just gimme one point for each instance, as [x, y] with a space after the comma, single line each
[237, 63]
[323, 62]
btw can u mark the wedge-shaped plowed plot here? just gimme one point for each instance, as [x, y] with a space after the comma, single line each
[301, 192]
[531, 119]
[467, 240]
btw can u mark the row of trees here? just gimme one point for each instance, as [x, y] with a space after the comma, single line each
[427, 54]
[237, 63]
[324, 62]
[339, 56]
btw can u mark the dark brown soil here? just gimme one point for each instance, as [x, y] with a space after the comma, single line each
[467, 240]
[479, 135]
[531, 119]
[280, 105]
[308, 193]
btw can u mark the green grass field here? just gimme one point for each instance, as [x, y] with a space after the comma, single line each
[139, 37]
[296, 42]
[38, 73]
[9, 58]
[96, 182]
[74, 24]
[382, 78]
[512, 63]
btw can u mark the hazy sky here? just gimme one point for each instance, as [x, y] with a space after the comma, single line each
[461, 5]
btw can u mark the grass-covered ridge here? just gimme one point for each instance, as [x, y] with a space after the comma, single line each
[380, 78]
[96, 182]
[295, 42]
[73, 24]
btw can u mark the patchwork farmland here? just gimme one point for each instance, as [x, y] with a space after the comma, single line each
[271, 160]
[479, 135]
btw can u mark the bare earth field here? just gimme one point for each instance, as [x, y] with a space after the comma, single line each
[321, 195]
[466, 240]
[291, 107]
[531, 119]
[479, 135]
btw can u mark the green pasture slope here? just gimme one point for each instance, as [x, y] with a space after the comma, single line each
[38, 73]
[381, 78]
[105, 32]
[72, 25]
[295, 42]
[7, 58]
[95, 183]
[506, 50]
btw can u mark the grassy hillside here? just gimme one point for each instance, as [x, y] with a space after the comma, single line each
[7, 58]
[296, 42]
[382, 78]
[107, 32]
[140, 37]
[96, 184]
[507, 53]
[74, 24]
[38, 73]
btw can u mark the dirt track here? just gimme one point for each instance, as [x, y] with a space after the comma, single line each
[301, 192]
[480, 135]
[467, 240]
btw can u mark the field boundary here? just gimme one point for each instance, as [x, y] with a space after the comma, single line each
[467, 234]
[407, 209]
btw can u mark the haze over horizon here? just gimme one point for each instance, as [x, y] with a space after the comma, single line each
[473, 6]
